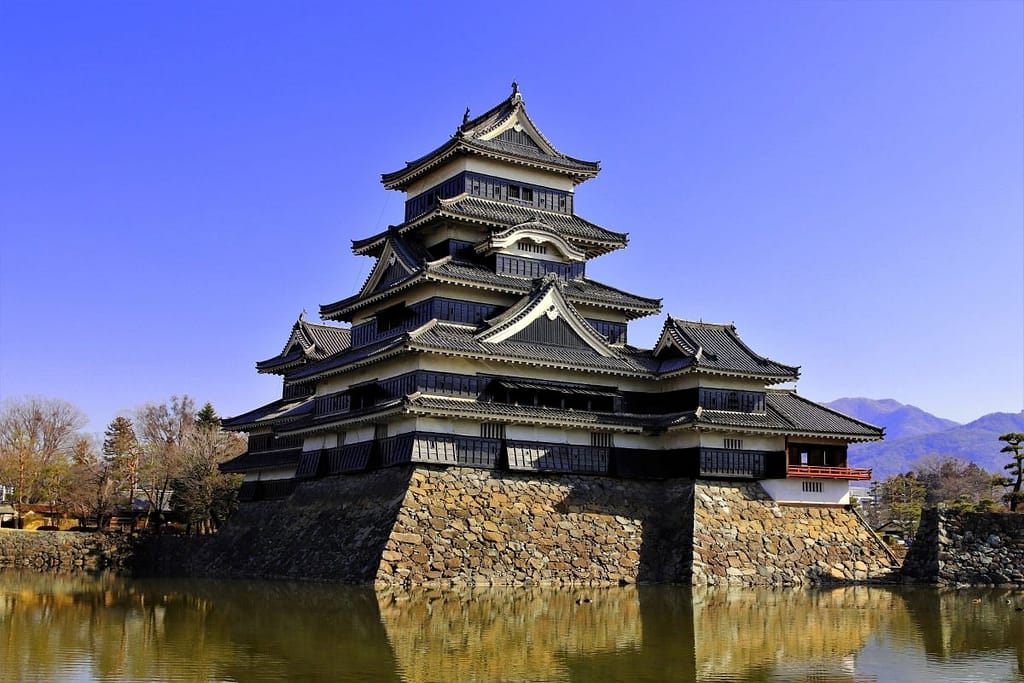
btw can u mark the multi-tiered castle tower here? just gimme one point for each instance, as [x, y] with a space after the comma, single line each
[479, 341]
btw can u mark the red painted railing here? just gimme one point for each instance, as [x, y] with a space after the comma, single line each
[820, 472]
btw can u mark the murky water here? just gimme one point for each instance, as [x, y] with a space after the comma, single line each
[77, 628]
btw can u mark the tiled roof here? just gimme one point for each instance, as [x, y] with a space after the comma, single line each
[592, 238]
[715, 348]
[308, 342]
[458, 339]
[578, 291]
[349, 357]
[809, 416]
[507, 215]
[257, 461]
[786, 413]
[484, 409]
[276, 412]
[469, 138]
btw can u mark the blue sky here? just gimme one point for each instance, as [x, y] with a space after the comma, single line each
[844, 181]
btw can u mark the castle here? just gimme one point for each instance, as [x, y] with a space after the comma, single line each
[479, 341]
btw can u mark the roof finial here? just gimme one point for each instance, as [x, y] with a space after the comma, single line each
[465, 116]
[302, 316]
[515, 88]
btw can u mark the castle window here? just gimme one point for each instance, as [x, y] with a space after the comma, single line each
[527, 194]
[733, 444]
[492, 430]
[513, 192]
[812, 487]
[602, 439]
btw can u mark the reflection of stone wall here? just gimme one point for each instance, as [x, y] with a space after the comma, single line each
[490, 634]
[742, 537]
[63, 550]
[461, 525]
[968, 547]
[738, 631]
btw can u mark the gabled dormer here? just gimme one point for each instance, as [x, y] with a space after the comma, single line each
[396, 261]
[545, 317]
[715, 349]
[308, 342]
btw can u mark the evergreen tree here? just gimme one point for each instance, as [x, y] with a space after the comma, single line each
[1015, 447]
[122, 449]
[207, 417]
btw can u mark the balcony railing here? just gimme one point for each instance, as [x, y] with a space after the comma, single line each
[822, 472]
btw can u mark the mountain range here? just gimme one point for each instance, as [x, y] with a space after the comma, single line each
[912, 433]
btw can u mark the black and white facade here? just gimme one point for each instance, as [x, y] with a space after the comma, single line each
[478, 340]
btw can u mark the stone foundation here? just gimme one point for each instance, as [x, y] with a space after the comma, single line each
[461, 525]
[64, 551]
[438, 526]
[977, 548]
[742, 537]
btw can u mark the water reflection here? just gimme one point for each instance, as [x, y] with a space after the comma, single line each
[55, 627]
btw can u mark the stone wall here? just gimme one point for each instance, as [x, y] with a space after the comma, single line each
[431, 525]
[63, 550]
[741, 536]
[955, 547]
[461, 525]
[330, 529]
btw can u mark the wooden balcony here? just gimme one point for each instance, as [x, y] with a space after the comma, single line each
[821, 472]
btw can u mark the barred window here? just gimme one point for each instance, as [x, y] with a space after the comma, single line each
[733, 444]
[812, 487]
[602, 439]
[492, 430]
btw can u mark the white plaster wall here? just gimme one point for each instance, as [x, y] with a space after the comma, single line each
[668, 440]
[383, 370]
[791, 491]
[547, 434]
[492, 168]
[270, 474]
[751, 442]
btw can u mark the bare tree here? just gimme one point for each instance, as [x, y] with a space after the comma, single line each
[162, 429]
[36, 439]
[952, 480]
[203, 494]
[94, 483]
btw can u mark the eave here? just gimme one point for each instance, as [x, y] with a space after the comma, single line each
[577, 171]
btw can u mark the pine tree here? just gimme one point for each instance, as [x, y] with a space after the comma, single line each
[121, 446]
[1014, 446]
[207, 417]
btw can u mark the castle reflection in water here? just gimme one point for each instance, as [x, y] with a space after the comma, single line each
[55, 627]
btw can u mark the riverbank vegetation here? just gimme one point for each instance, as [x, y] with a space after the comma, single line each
[158, 465]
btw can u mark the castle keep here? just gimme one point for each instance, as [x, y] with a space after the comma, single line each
[478, 343]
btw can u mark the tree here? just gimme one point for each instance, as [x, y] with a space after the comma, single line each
[36, 440]
[94, 484]
[1015, 447]
[207, 417]
[954, 481]
[163, 428]
[122, 450]
[900, 499]
[203, 494]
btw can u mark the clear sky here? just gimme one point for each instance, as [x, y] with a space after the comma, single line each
[843, 180]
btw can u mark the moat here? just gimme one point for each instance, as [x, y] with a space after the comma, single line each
[87, 628]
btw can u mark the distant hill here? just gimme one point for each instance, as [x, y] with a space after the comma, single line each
[912, 433]
[900, 420]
